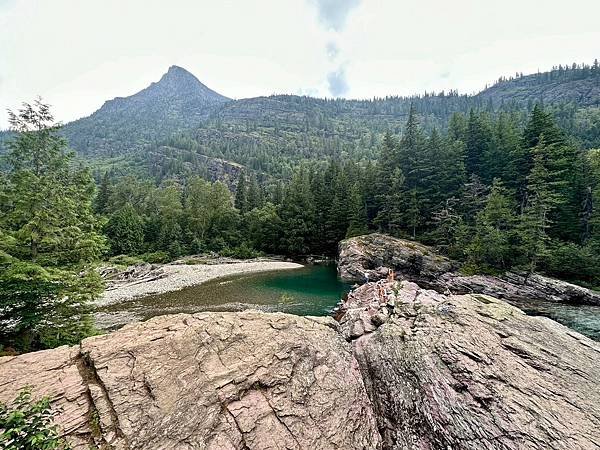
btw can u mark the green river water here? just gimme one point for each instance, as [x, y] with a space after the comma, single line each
[311, 290]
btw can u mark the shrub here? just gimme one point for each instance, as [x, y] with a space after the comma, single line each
[28, 425]
[243, 251]
[573, 262]
[125, 260]
[156, 257]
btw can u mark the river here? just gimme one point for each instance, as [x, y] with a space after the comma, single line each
[311, 290]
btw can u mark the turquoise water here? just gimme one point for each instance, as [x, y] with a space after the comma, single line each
[582, 318]
[311, 290]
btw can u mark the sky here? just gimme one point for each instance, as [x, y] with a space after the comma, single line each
[77, 54]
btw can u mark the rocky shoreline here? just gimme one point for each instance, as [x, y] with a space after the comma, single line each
[372, 257]
[149, 279]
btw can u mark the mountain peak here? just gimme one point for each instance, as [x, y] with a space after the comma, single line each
[177, 101]
[182, 82]
[177, 71]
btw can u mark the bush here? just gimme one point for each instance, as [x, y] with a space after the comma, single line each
[44, 307]
[125, 260]
[28, 425]
[156, 257]
[242, 251]
[573, 262]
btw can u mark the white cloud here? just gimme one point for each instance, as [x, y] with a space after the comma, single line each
[334, 13]
[79, 54]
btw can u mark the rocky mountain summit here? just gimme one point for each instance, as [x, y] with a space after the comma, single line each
[403, 367]
[178, 101]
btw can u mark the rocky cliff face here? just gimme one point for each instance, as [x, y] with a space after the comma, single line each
[372, 256]
[403, 368]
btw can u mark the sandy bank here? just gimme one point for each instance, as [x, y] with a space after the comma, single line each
[172, 277]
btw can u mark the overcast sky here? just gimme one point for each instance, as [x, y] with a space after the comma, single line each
[77, 54]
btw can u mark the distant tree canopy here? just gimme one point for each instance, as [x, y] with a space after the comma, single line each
[489, 191]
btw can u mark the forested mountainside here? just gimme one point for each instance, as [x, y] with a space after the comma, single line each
[271, 134]
[563, 84]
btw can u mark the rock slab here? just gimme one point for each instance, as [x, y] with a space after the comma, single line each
[206, 381]
[471, 372]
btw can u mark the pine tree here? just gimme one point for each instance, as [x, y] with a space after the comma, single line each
[297, 215]
[125, 232]
[391, 215]
[478, 144]
[412, 152]
[103, 195]
[48, 235]
[241, 194]
[541, 201]
[413, 213]
[540, 124]
[473, 199]
[492, 244]
[48, 212]
[505, 143]
[358, 224]
[254, 194]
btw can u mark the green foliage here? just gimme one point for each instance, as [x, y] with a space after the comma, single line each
[125, 231]
[264, 228]
[44, 307]
[47, 210]
[358, 220]
[125, 260]
[242, 251]
[48, 234]
[574, 262]
[156, 257]
[492, 246]
[28, 425]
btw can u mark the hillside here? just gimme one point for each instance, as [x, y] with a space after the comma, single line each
[579, 85]
[272, 134]
[178, 101]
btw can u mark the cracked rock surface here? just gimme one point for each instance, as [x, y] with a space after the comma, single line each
[471, 371]
[209, 381]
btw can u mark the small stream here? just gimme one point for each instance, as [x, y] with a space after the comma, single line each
[311, 290]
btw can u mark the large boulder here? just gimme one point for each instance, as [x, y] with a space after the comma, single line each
[209, 381]
[471, 371]
[372, 257]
